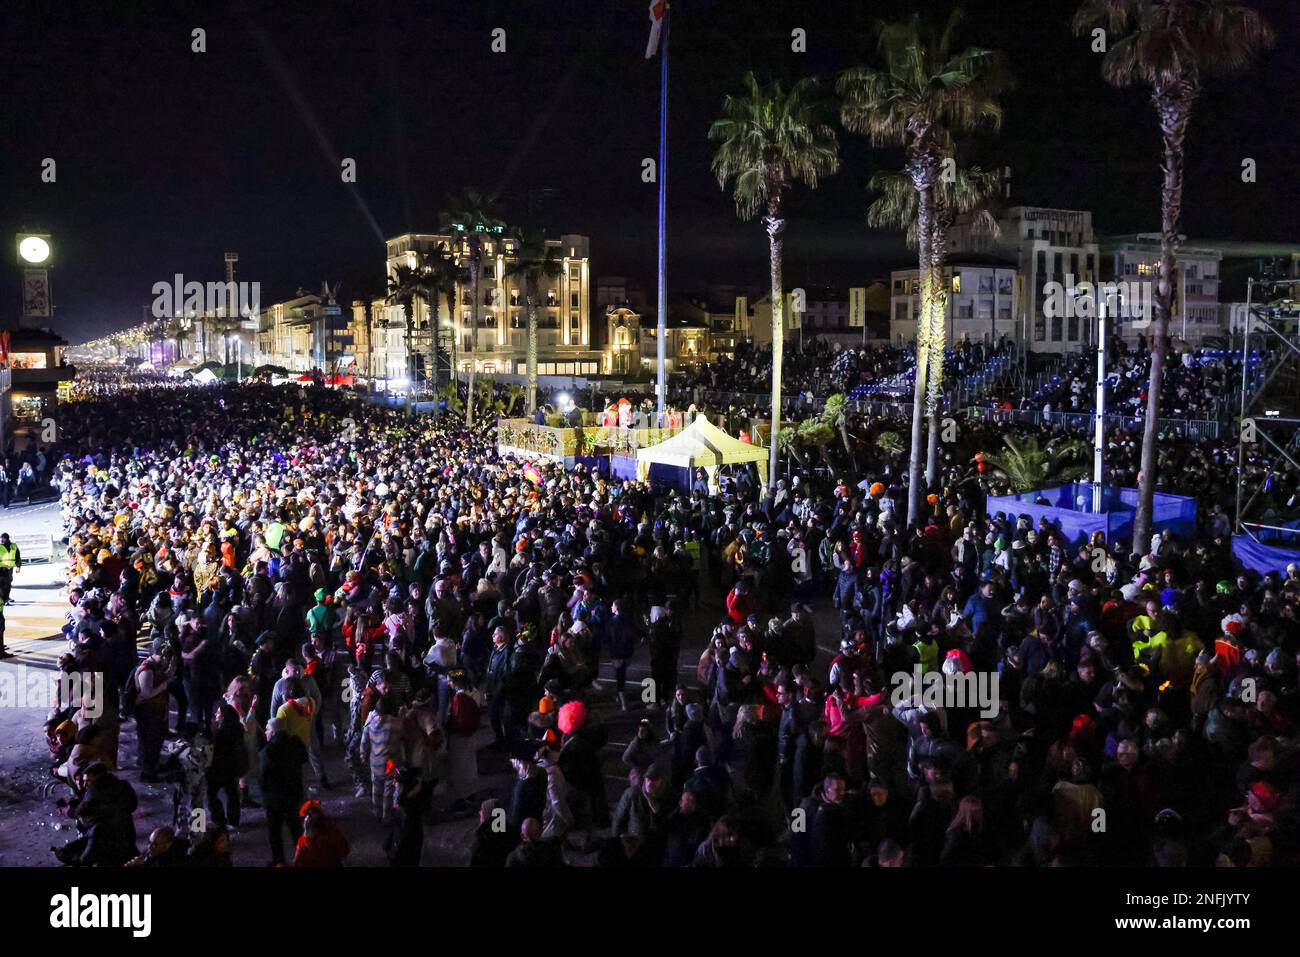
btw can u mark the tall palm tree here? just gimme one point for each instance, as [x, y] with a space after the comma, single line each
[470, 214]
[443, 275]
[406, 286]
[1169, 46]
[770, 136]
[534, 261]
[175, 329]
[969, 192]
[368, 290]
[922, 95]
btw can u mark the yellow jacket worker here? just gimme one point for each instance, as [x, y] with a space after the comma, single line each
[10, 561]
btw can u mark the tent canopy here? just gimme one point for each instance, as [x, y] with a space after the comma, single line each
[700, 445]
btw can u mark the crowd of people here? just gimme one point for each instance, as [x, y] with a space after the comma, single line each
[1196, 384]
[798, 678]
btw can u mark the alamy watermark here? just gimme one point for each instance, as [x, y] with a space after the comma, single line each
[1132, 299]
[937, 689]
[196, 298]
[41, 689]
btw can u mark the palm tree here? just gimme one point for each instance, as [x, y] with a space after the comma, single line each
[835, 414]
[514, 392]
[770, 136]
[534, 260]
[470, 214]
[406, 285]
[1026, 466]
[443, 276]
[789, 440]
[175, 328]
[1169, 46]
[968, 191]
[922, 95]
[367, 291]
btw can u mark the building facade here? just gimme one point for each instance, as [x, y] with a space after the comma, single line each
[1045, 245]
[1196, 285]
[499, 343]
[983, 302]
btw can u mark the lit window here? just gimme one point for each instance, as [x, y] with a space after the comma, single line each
[956, 282]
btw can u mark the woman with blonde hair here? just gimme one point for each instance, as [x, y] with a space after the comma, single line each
[239, 695]
[967, 844]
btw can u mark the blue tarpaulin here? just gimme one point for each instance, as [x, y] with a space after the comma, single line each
[1069, 507]
[1262, 558]
[624, 467]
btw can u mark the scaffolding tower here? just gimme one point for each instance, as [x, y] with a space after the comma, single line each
[1270, 401]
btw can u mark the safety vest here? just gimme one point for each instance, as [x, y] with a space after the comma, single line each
[274, 535]
[8, 555]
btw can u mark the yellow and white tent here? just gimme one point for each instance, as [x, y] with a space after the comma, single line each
[700, 445]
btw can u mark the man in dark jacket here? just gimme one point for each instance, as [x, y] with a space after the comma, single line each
[532, 850]
[520, 688]
[791, 728]
[494, 839]
[494, 682]
[105, 816]
[665, 645]
[282, 759]
[823, 837]
[621, 638]
[643, 813]
[580, 762]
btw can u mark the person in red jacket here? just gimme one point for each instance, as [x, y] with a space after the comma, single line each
[322, 844]
[740, 602]
[462, 723]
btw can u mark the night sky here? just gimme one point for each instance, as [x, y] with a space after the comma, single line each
[168, 158]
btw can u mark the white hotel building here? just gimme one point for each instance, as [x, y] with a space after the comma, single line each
[499, 344]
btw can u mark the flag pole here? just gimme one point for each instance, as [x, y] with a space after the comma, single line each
[662, 324]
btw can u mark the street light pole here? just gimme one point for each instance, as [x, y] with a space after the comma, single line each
[1099, 427]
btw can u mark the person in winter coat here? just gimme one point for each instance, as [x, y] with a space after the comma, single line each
[494, 839]
[826, 837]
[229, 764]
[405, 842]
[105, 816]
[462, 725]
[532, 850]
[621, 638]
[557, 817]
[282, 759]
[665, 646]
[643, 813]
[968, 844]
[580, 750]
[494, 683]
[322, 844]
[684, 831]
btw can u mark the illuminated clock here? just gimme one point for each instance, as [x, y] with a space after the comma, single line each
[34, 249]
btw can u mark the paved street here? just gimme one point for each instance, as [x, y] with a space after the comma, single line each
[38, 601]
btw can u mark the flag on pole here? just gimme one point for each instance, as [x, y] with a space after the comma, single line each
[657, 10]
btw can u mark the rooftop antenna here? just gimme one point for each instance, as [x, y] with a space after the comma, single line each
[231, 259]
